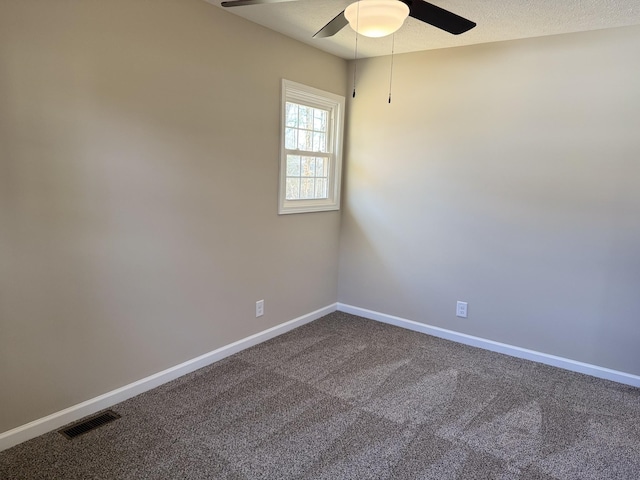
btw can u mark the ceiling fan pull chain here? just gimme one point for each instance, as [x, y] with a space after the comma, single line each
[393, 47]
[355, 56]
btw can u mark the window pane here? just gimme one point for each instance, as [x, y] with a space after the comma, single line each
[305, 117]
[308, 166]
[293, 166]
[291, 114]
[320, 167]
[319, 142]
[291, 139]
[307, 188]
[305, 140]
[320, 120]
[293, 188]
[321, 188]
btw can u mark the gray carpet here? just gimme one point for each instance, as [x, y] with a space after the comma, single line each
[348, 398]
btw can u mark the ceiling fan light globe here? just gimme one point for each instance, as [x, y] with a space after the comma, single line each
[376, 18]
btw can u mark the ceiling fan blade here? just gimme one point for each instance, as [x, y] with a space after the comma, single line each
[439, 17]
[242, 3]
[333, 27]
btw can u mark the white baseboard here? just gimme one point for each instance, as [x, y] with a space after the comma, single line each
[76, 412]
[565, 363]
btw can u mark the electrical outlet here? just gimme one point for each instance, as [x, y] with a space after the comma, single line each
[461, 309]
[259, 308]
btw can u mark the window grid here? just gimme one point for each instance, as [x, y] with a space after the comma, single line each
[307, 176]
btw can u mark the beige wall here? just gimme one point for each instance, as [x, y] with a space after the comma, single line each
[138, 193]
[506, 175]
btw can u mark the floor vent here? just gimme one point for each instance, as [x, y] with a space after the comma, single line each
[89, 424]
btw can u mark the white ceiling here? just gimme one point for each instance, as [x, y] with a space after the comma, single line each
[497, 20]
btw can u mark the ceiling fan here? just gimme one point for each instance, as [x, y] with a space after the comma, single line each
[418, 9]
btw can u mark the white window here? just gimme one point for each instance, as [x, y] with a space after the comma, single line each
[311, 149]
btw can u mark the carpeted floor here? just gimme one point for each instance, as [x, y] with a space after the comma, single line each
[349, 398]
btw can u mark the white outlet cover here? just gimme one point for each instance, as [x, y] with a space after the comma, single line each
[461, 309]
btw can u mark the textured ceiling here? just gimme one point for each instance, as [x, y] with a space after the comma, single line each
[497, 21]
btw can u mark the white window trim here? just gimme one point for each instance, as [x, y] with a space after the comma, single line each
[303, 94]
